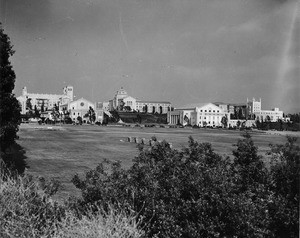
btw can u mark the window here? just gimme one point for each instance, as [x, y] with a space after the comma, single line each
[205, 110]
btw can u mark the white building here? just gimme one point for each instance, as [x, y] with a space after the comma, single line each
[45, 101]
[200, 114]
[254, 108]
[122, 100]
[80, 108]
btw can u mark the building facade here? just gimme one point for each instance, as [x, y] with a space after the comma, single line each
[80, 108]
[200, 114]
[122, 101]
[44, 102]
[254, 109]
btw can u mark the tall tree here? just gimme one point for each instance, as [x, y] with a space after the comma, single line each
[224, 121]
[9, 105]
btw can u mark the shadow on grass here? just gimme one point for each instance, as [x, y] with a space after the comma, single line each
[14, 158]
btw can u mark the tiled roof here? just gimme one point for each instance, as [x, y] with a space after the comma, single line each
[192, 105]
[142, 101]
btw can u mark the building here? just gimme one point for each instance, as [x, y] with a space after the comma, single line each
[237, 111]
[80, 108]
[44, 102]
[254, 109]
[122, 101]
[199, 114]
[103, 106]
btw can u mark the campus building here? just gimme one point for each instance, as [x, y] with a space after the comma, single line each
[237, 111]
[122, 101]
[199, 114]
[44, 102]
[80, 108]
[254, 109]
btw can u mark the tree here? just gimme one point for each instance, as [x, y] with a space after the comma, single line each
[192, 192]
[36, 112]
[55, 113]
[284, 206]
[238, 124]
[145, 108]
[43, 106]
[9, 105]
[79, 119]
[248, 164]
[91, 115]
[28, 104]
[224, 121]
[127, 108]
[153, 109]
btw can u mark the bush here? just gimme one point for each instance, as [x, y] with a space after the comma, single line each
[193, 192]
[26, 210]
[98, 224]
[284, 206]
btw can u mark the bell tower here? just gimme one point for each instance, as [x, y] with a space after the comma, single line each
[68, 91]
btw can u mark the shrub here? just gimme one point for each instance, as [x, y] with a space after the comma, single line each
[106, 224]
[192, 192]
[284, 206]
[26, 209]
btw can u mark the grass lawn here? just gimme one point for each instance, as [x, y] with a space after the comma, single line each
[62, 151]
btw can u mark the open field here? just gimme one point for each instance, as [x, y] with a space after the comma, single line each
[61, 151]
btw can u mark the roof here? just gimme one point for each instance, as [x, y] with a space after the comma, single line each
[142, 101]
[230, 104]
[81, 99]
[193, 105]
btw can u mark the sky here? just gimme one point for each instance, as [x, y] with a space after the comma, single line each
[182, 51]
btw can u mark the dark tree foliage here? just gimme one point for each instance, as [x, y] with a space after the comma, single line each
[285, 172]
[9, 106]
[248, 165]
[195, 192]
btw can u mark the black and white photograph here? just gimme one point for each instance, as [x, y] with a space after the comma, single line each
[149, 118]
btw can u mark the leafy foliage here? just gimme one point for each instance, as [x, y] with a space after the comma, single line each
[9, 106]
[195, 192]
[285, 171]
[27, 210]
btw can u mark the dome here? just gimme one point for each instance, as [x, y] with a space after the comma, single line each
[121, 91]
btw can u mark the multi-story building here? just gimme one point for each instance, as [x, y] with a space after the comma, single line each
[254, 109]
[236, 110]
[44, 101]
[200, 114]
[122, 101]
[103, 106]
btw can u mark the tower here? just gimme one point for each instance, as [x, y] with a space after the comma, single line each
[68, 91]
[24, 91]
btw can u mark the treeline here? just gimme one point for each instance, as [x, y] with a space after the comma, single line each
[135, 117]
[279, 126]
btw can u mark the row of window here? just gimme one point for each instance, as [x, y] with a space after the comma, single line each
[209, 111]
[209, 118]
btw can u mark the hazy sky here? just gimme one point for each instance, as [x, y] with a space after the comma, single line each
[183, 51]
